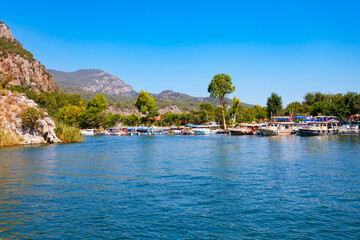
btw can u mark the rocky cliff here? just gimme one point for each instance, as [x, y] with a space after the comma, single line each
[12, 108]
[172, 109]
[18, 66]
[94, 80]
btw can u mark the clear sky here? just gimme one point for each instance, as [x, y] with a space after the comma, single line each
[287, 47]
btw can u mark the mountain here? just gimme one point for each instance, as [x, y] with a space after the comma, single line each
[18, 66]
[89, 82]
[93, 80]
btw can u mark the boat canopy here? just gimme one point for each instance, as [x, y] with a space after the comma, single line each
[299, 117]
[281, 118]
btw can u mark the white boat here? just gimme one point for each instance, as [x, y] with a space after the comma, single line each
[280, 126]
[202, 131]
[89, 132]
[206, 129]
[349, 129]
[323, 125]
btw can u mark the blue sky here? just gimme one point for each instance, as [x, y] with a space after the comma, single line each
[287, 47]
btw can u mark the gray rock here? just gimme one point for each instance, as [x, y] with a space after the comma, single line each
[11, 106]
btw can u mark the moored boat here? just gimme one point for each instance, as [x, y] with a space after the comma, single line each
[323, 125]
[89, 132]
[281, 126]
[206, 129]
[241, 129]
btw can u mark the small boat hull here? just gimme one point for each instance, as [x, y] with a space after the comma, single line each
[314, 132]
[240, 132]
[274, 132]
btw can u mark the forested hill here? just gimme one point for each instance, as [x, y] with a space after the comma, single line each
[89, 82]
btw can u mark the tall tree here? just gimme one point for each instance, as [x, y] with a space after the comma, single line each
[219, 87]
[274, 104]
[146, 105]
[234, 107]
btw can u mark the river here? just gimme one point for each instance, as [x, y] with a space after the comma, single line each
[183, 187]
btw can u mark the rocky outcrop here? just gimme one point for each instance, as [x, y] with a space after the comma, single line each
[12, 105]
[18, 67]
[172, 109]
[123, 111]
[5, 32]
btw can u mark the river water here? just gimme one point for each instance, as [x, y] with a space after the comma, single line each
[183, 187]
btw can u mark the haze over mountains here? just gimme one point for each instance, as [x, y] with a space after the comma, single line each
[98, 81]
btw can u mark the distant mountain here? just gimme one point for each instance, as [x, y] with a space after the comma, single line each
[93, 80]
[89, 82]
[172, 96]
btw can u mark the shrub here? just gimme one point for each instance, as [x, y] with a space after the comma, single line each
[68, 134]
[29, 117]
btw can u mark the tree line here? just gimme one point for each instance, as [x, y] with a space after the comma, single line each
[73, 110]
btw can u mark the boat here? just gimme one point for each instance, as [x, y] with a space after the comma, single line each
[241, 129]
[159, 130]
[89, 132]
[322, 125]
[202, 131]
[175, 130]
[187, 131]
[206, 129]
[349, 129]
[144, 131]
[247, 129]
[280, 126]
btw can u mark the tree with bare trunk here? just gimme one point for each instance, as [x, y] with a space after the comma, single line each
[219, 87]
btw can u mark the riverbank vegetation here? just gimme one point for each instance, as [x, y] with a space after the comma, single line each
[7, 138]
[67, 133]
[71, 110]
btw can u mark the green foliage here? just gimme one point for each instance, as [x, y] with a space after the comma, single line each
[234, 108]
[94, 113]
[51, 101]
[99, 102]
[274, 105]
[260, 113]
[13, 47]
[219, 87]
[8, 138]
[68, 134]
[111, 120]
[130, 120]
[144, 103]
[29, 117]
[342, 106]
[69, 114]
[295, 108]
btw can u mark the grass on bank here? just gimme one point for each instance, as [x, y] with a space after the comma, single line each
[68, 134]
[8, 138]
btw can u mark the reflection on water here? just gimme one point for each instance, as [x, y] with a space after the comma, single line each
[210, 187]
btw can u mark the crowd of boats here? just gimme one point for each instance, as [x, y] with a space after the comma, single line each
[303, 126]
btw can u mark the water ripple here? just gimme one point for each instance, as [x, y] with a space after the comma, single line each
[183, 187]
